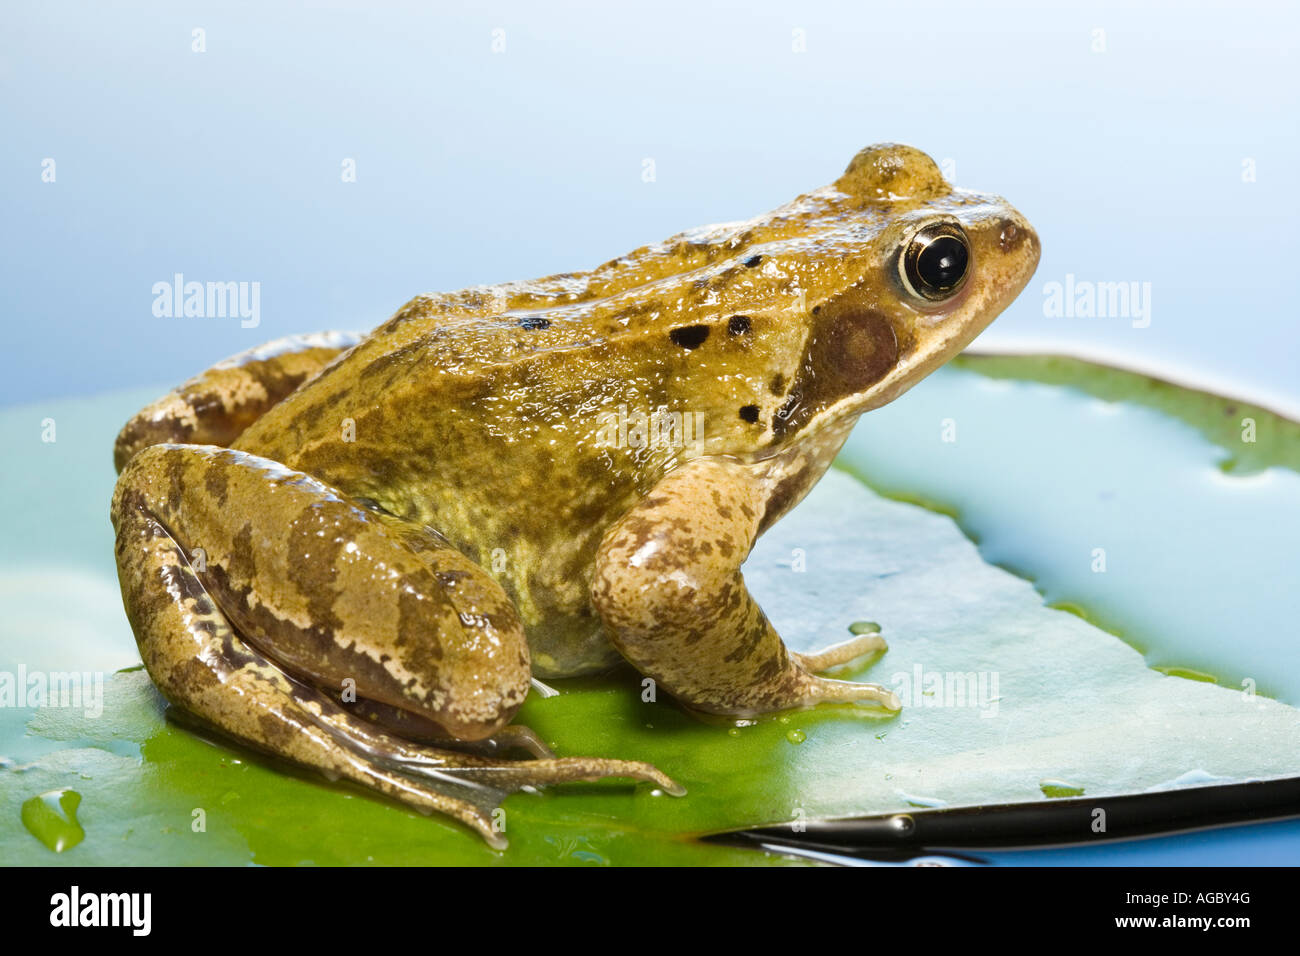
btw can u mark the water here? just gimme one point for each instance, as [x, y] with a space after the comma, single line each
[1199, 566]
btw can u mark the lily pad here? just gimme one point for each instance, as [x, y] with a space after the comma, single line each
[1165, 515]
[1001, 691]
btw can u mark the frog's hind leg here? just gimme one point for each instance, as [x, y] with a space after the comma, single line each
[215, 407]
[214, 648]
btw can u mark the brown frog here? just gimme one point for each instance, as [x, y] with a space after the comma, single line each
[356, 552]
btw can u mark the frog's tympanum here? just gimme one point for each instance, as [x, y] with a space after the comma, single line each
[355, 552]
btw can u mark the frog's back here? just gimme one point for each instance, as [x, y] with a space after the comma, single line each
[499, 391]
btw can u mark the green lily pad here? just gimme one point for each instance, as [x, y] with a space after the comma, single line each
[1002, 693]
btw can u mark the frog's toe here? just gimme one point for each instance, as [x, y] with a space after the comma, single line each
[843, 653]
[536, 773]
[519, 737]
[822, 690]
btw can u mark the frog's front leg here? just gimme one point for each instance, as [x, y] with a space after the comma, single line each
[669, 589]
[259, 596]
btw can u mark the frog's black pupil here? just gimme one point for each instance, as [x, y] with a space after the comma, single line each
[942, 263]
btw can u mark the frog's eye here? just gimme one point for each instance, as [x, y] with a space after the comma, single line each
[935, 262]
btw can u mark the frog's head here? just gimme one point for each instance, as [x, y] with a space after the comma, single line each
[902, 271]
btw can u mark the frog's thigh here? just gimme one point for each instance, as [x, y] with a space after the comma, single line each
[200, 660]
[669, 589]
[339, 594]
[215, 407]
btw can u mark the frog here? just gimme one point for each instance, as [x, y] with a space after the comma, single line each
[362, 552]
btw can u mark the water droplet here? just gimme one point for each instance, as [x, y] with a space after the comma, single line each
[52, 819]
[796, 736]
[733, 732]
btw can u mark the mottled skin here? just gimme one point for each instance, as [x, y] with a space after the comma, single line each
[433, 512]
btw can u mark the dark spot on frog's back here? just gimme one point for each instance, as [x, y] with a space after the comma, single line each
[534, 323]
[750, 414]
[739, 325]
[753, 261]
[689, 336]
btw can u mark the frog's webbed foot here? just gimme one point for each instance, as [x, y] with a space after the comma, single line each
[827, 690]
[669, 589]
[202, 635]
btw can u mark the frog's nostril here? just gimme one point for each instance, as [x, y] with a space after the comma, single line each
[1017, 236]
[1011, 235]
